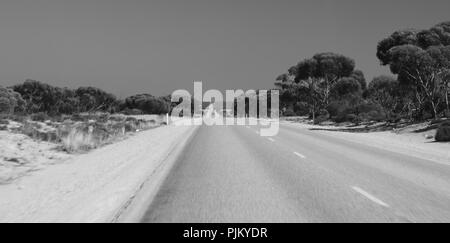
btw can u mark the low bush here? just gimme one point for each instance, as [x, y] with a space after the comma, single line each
[443, 132]
[289, 113]
[447, 114]
[426, 116]
[353, 118]
[10, 101]
[341, 117]
[85, 136]
[334, 108]
[322, 116]
[35, 131]
[301, 109]
[132, 112]
[18, 118]
[41, 117]
[373, 116]
[77, 140]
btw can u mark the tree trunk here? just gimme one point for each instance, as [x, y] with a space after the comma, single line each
[434, 106]
[446, 101]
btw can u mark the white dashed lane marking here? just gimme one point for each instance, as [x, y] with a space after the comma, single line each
[300, 155]
[370, 197]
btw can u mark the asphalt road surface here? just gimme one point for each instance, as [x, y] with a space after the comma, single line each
[231, 174]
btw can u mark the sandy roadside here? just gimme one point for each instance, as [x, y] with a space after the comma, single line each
[89, 187]
[414, 144]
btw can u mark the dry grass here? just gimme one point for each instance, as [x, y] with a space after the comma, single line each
[83, 132]
[77, 141]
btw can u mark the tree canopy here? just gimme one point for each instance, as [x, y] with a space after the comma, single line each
[421, 59]
[148, 104]
[10, 101]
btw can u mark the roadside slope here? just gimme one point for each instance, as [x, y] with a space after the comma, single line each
[408, 144]
[90, 187]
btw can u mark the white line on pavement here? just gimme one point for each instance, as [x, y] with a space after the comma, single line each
[271, 139]
[300, 155]
[257, 132]
[372, 198]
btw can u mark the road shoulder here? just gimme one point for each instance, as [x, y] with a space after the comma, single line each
[93, 186]
[406, 144]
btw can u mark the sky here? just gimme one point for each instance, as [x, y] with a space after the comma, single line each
[157, 46]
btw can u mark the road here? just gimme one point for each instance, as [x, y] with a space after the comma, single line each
[231, 174]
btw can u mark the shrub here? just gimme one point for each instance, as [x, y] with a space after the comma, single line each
[346, 86]
[346, 116]
[340, 118]
[78, 140]
[353, 118]
[443, 132]
[322, 116]
[323, 113]
[34, 131]
[86, 136]
[10, 101]
[41, 117]
[340, 109]
[132, 112]
[373, 116]
[18, 118]
[55, 100]
[334, 108]
[147, 103]
[426, 115]
[319, 120]
[301, 109]
[289, 113]
[447, 114]
[5, 105]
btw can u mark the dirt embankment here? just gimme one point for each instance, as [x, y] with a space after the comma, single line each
[87, 187]
[27, 146]
[413, 139]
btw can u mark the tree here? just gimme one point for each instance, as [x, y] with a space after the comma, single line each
[358, 75]
[40, 97]
[398, 38]
[95, 99]
[10, 101]
[422, 69]
[439, 35]
[148, 104]
[421, 60]
[317, 76]
[309, 85]
[346, 86]
[327, 69]
[288, 89]
[310, 92]
[384, 91]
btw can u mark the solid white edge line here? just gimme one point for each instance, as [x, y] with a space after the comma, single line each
[300, 155]
[370, 197]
